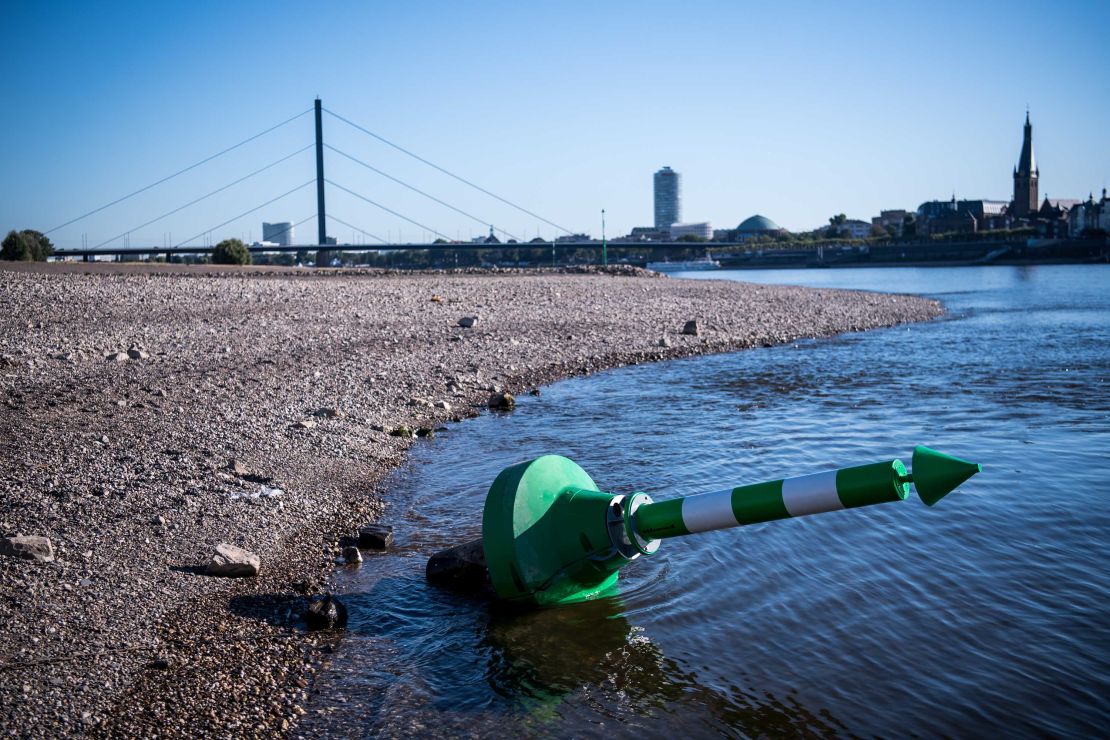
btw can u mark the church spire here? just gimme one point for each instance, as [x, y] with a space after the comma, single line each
[1027, 164]
[1026, 176]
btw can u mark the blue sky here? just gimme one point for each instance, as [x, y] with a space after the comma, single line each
[793, 110]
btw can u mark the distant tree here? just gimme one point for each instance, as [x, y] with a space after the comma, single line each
[537, 240]
[26, 246]
[231, 252]
[835, 222]
[909, 225]
[880, 231]
[692, 238]
[440, 241]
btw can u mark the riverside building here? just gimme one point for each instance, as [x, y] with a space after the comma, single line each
[280, 233]
[668, 198]
[701, 229]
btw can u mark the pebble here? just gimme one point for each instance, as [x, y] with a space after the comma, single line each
[467, 322]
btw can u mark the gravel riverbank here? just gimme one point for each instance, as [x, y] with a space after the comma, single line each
[126, 461]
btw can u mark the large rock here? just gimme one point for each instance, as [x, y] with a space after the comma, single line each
[233, 562]
[502, 401]
[692, 328]
[375, 536]
[325, 614]
[467, 322]
[28, 547]
[462, 567]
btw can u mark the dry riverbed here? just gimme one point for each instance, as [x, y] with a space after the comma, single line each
[262, 409]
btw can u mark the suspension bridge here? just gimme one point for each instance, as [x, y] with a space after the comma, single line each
[119, 244]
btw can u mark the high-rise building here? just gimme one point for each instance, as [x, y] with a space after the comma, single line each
[1026, 174]
[668, 198]
[280, 233]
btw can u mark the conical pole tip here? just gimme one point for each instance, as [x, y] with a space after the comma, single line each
[936, 474]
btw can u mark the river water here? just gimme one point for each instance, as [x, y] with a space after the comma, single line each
[989, 613]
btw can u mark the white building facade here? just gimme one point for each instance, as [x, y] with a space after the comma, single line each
[704, 229]
[280, 233]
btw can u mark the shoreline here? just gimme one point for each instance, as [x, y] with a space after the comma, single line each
[232, 384]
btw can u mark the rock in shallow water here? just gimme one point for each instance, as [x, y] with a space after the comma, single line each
[28, 547]
[375, 536]
[325, 614]
[462, 567]
[502, 401]
[233, 562]
[351, 555]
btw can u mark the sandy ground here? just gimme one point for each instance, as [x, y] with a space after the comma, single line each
[124, 465]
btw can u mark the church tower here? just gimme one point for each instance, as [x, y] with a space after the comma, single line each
[1025, 177]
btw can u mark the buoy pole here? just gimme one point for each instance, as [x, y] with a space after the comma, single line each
[846, 488]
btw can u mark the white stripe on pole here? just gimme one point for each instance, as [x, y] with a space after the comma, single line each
[811, 494]
[707, 511]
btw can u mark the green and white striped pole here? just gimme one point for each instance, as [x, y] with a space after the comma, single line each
[832, 490]
[551, 537]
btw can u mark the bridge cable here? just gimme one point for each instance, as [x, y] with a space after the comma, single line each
[421, 192]
[198, 200]
[361, 231]
[179, 172]
[246, 213]
[433, 165]
[388, 210]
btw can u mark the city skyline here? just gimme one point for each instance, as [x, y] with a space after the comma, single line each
[774, 131]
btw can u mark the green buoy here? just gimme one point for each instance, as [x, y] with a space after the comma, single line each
[550, 537]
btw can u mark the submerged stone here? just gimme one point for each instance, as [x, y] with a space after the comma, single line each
[325, 614]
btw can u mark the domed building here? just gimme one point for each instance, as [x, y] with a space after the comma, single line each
[756, 226]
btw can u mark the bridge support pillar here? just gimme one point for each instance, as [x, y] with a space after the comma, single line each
[321, 225]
